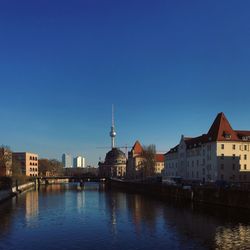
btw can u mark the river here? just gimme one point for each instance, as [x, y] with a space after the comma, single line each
[66, 217]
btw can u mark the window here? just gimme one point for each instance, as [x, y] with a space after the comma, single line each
[222, 166]
[245, 167]
[234, 147]
[222, 156]
[245, 157]
[222, 146]
[233, 156]
[245, 147]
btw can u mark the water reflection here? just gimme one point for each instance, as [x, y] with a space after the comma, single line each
[209, 227]
[233, 237]
[68, 217]
[80, 201]
[6, 213]
[32, 206]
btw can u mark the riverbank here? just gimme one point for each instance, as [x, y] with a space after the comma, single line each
[210, 195]
[14, 191]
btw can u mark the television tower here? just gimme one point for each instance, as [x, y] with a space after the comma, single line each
[112, 132]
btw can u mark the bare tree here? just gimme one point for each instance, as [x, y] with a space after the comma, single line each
[54, 167]
[148, 164]
[5, 161]
[16, 168]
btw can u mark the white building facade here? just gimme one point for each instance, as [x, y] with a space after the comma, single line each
[223, 154]
[67, 161]
[79, 162]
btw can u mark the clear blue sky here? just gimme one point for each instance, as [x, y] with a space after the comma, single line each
[168, 66]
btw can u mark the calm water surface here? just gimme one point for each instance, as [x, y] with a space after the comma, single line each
[63, 217]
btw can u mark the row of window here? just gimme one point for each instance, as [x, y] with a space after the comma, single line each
[193, 175]
[33, 174]
[234, 156]
[33, 169]
[233, 177]
[234, 147]
[33, 158]
[33, 164]
[159, 164]
[233, 167]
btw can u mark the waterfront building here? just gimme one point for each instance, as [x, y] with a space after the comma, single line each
[28, 162]
[67, 160]
[114, 164]
[222, 154]
[5, 162]
[79, 162]
[115, 160]
[136, 162]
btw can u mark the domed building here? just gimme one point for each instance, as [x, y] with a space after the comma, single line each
[115, 162]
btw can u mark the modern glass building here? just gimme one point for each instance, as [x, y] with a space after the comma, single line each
[67, 160]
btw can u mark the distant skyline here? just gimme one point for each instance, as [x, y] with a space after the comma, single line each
[168, 67]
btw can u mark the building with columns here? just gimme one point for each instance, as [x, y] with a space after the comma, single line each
[222, 154]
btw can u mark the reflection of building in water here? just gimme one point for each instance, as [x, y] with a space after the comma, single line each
[209, 225]
[80, 200]
[116, 205]
[143, 211]
[236, 238]
[32, 205]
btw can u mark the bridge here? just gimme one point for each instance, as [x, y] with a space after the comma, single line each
[80, 179]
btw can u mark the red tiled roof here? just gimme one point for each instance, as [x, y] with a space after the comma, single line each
[220, 130]
[242, 132]
[137, 148]
[159, 157]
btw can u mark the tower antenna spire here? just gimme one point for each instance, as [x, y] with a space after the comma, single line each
[112, 132]
[113, 116]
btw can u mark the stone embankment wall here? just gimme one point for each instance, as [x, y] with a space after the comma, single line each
[23, 187]
[216, 196]
[10, 192]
